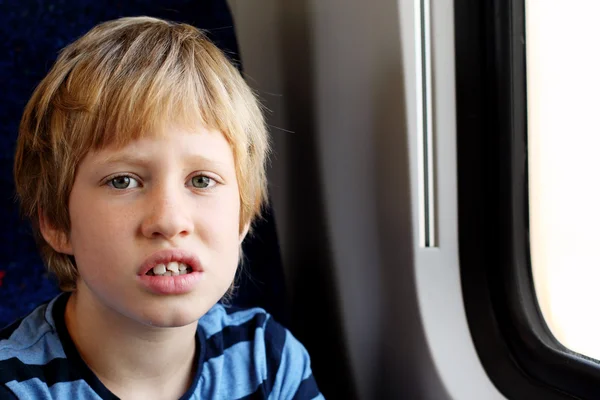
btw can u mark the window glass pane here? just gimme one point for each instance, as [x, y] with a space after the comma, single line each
[563, 112]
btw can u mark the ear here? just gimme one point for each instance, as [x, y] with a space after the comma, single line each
[244, 232]
[57, 239]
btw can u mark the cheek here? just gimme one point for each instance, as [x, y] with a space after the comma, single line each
[221, 231]
[95, 229]
[222, 212]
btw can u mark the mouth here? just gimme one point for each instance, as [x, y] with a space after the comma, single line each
[171, 269]
[171, 262]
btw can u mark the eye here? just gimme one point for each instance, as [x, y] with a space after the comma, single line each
[123, 182]
[202, 182]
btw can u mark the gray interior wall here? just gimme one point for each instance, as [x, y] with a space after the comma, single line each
[277, 33]
[258, 30]
[338, 77]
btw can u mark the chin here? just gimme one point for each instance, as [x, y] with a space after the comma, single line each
[171, 320]
[172, 317]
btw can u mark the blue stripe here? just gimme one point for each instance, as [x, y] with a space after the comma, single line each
[231, 335]
[63, 390]
[39, 352]
[235, 373]
[275, 338]
[33, 340]
[40, 313]
[7, 331]
[218, 317]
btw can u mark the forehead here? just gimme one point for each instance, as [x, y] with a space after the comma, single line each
[198, 143]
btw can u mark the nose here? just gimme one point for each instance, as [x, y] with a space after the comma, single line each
[167, 215]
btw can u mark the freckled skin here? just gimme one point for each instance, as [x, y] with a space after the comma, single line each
[117, 223]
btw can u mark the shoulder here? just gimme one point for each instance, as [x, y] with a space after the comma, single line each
[221, 319]
[226, 326]
[29, 351]
[280, 363]
[32, 339]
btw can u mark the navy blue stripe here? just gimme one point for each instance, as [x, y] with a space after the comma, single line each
[231, 335]
[198, 360]
[275, 341]
[75, 364]
[7, 331]
[307, 390]
[57, 370]
[259, 393]
[6, 394]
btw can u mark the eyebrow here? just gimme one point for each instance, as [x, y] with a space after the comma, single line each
[125, 158]
[139, 160]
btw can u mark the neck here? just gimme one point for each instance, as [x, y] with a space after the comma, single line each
[131, 359]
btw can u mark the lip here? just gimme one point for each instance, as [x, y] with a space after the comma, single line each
[165, 285]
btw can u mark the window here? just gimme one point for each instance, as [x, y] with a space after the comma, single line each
[563, 109]
[526, 88]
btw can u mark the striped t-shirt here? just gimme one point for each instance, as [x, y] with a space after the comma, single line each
[241, 354]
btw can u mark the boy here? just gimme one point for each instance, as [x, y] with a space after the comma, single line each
[141, 164]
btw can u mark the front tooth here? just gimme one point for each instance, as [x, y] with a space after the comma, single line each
[159, 269]
[182, 267]
[173, 266]
[168, 273]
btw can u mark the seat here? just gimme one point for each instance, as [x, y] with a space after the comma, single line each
[33, 33]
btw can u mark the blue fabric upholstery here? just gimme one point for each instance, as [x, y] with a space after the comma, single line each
[32, 33]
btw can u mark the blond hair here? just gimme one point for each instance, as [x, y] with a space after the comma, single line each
[120, 81]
